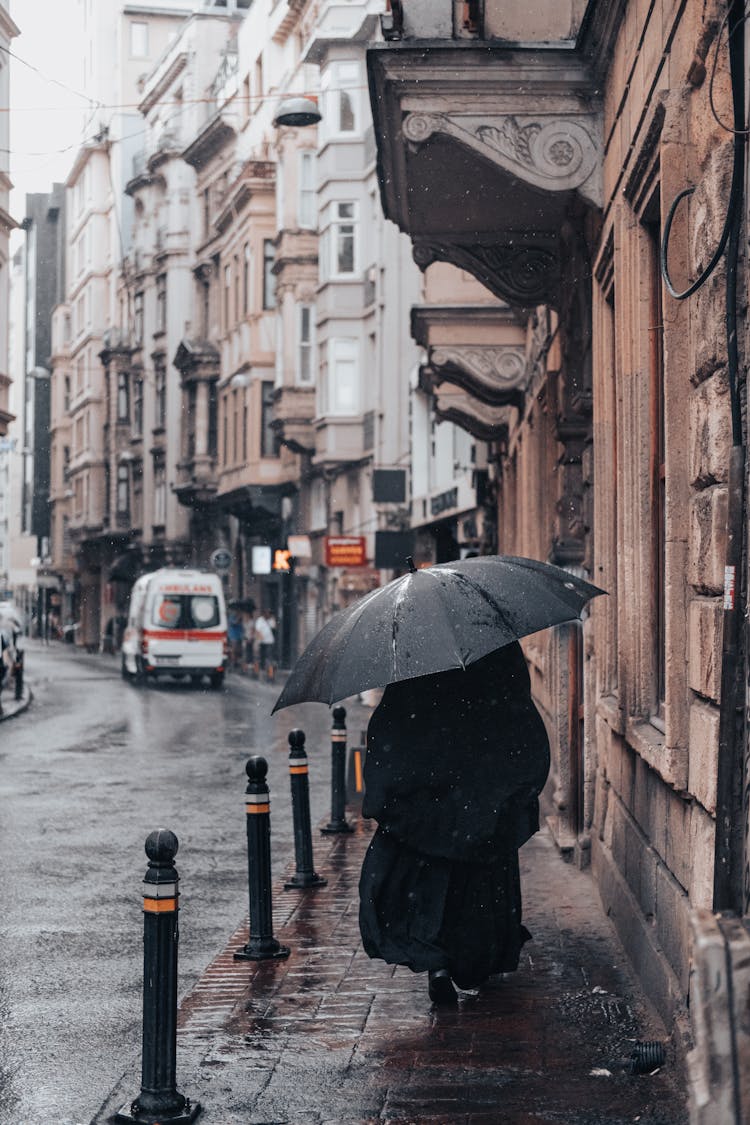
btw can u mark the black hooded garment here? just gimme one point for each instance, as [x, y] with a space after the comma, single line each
[455, 763]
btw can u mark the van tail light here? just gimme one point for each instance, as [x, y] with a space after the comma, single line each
[144, 645]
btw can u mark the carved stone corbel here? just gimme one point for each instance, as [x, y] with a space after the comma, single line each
[554, 153]
[523, 273]
[485, 423]
[493, 373]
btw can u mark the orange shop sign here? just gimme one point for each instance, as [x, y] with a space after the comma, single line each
[346, 550]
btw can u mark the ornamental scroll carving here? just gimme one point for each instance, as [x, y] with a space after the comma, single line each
[525, 275]
[485, 423]
[494, 374]
[555, 154]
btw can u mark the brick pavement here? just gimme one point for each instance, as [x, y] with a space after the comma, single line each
[329, 1036]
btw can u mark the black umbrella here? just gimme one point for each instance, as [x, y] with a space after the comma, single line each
[430, 620]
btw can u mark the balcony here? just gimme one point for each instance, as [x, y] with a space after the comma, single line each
[519, 125]
[338, 440]
[479, 349]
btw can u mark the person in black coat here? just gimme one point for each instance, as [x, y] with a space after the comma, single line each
[455, 763]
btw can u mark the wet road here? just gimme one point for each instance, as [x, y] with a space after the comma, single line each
[85, 775]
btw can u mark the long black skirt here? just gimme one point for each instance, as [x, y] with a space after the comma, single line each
[431, 913]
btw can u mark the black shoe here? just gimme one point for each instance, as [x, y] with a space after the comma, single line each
[440, 987]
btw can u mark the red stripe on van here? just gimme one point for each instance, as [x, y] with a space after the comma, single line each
[182, 635]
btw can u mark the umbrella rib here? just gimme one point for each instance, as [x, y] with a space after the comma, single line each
[445, 607]
[571, 614]
[356, 620]
[485, 594]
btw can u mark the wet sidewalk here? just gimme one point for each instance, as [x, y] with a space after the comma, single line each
[329, 1036]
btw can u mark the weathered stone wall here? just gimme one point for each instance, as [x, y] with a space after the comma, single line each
[653, 842]
[641, 790]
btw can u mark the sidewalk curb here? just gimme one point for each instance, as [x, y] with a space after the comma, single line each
[17, 707]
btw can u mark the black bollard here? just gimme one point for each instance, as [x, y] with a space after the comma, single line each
[262, 945]
[304, 875]
[18, 674]
[159, 1099]
[338, 822]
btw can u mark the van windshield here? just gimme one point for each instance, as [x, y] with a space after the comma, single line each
[186, 611]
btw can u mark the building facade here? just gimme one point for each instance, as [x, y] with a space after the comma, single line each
[615, 460]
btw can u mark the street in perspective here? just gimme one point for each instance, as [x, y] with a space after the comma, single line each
[374, 661]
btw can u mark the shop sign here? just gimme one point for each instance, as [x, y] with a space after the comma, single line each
[346, 550]
[300, 546]
[443, 501]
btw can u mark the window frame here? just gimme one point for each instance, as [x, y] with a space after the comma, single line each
[333, 382]
[269, 280]
[307, 192]
[305, 346]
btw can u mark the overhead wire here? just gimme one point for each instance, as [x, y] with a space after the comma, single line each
[735, 194]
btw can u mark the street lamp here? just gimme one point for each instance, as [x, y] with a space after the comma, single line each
[297, 110]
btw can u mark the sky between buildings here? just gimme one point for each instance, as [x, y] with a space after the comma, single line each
[48, 117]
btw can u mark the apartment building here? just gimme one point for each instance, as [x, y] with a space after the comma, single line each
[88, 537]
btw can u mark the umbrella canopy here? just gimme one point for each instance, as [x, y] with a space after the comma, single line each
[430, 620]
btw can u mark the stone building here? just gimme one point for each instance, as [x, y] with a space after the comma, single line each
[569, 129]
[90, 531]
[8, 32]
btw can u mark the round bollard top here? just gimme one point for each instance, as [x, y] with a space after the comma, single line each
[339, 715]
[161, 846]
[256, 768]
[296, 739]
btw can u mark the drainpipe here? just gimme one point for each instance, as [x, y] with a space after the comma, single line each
[728, 854]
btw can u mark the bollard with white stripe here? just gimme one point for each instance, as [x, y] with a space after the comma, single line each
[338, 821]
[305, 874]
[262, 945]
[159, 1099]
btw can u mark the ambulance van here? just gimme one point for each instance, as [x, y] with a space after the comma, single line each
[177, 626]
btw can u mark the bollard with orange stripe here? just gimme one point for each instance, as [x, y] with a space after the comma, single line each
[355, 779]
[159, 1099]
[304, 875]
[338, 821]
[261, 945]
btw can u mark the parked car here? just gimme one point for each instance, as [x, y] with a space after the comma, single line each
[177, 626]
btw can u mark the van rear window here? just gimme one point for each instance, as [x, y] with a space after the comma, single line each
[186, 611]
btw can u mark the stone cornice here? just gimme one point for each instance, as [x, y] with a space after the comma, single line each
[160, 87]
[212, 138]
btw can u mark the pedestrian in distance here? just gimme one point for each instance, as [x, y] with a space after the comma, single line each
[235, 637]
[265, 640]
[248, 633]
[455, 763]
